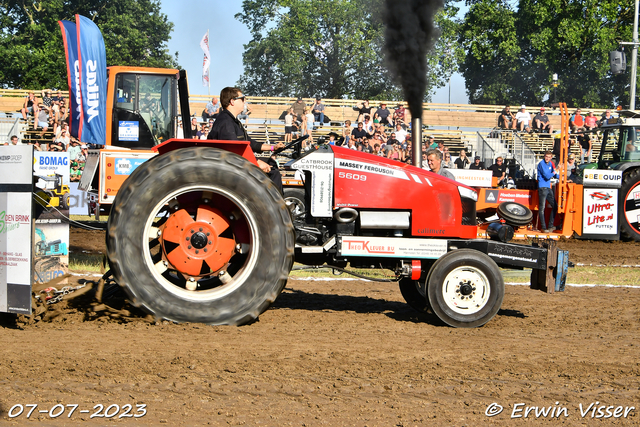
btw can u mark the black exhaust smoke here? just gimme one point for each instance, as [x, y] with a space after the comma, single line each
[409, 36]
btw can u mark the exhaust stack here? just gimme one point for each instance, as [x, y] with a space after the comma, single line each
[416, 140]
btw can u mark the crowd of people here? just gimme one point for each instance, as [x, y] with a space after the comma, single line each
[50, 114]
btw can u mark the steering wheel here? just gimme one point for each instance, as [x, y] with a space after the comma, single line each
[291, 144]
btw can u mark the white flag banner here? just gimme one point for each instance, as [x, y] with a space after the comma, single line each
[206, 62]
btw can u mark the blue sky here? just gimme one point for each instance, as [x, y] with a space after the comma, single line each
[227, 37]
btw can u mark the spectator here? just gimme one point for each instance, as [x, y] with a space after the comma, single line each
[477, 164]
[447, 162]
[591, 121]
[211, 110]
[74, 149]
[14, 140]
[440, 147]
[352, 144]
[288, 125]
[506, 120]
[396, 153]
[586, 147]
[401, 134]
[523, 120]
[546, 171]
[382, 114]
[75, 173]
[180, 132]
[462, 162]
[309, 121]
[246, 112]
[82, 157]
[376, 150]
[298, 107]
[398, 115]
[318, 111]
[499, 170]
[425, 162]
[432, 143]
[366, 146]
[359, 133]
[605, 117]
[368, 125]
[434, 160]
[202, 131]
[576, 122]
[332, 138]
[30, 105]
[541, 122]
[346, 131]
[194, 128]
[57, 145]
[43, 120]
[47, 100]
[362, 109]
[572, 169]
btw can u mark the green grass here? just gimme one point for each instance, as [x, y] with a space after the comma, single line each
[579, 275]
[85, 262]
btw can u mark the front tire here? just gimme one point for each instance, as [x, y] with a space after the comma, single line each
[465, 288]
[200, 235]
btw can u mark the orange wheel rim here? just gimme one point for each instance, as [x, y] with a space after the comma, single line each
[198, 247]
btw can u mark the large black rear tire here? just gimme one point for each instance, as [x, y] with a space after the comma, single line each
[465, 288]
[200, 235]
[630, 206]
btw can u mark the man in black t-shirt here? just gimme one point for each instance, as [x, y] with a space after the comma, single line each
[359, 133]
[477, 164]
[499, 171]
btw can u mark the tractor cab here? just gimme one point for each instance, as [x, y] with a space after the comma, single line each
[143, 106]
[620, 142]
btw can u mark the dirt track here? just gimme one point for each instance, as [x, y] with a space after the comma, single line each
[343, 352]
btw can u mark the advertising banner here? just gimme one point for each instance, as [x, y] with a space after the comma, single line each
[70, 39]
[472, 178]
[602, 178]
[53, 198]
[15, 228]
[600, 211]
[392, 247]
[93, 81]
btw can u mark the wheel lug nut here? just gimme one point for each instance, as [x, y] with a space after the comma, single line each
[189, 246]
[205, 249]
[200, 229]
[197, 251]
[187, 239]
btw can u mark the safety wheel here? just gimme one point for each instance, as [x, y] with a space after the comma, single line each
[200, 235]
[630, 203]
[412, 293]
[294, 199]
[515, 213]
[65, 201]
[465, 288]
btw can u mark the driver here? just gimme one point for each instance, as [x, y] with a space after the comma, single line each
[228, 127]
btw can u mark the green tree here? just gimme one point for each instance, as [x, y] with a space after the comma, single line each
[512, 52]
[135, 33]
[331, 48]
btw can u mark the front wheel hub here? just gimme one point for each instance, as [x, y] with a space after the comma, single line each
[198, 247]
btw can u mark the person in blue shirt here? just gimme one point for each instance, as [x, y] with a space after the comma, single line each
[546, 171]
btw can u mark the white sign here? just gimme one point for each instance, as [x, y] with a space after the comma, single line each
[602, 178]
[471, 177]
[393, 247]
[16, 189]
[377, 169]
[320, 164]
[128, 131]
[600, 211]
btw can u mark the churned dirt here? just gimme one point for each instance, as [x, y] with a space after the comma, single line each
[335, 353]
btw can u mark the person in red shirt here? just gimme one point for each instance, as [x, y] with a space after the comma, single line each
[591, 121]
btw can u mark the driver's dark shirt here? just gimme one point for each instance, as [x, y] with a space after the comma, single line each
[228, 128]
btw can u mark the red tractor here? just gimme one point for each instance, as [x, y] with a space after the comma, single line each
[200, 234]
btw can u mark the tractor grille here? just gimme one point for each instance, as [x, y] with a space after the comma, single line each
[468, 211]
